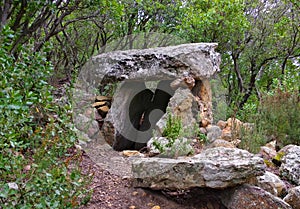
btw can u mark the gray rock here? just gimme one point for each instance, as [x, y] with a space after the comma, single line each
[213, 133]
[87, 125]
[198, 59]
[214, 168]
[182, 105]
[293, 197]
[271, 183]
[180, 147]
[220, 143]
[251, 197]
[290, 163]
[195, 61]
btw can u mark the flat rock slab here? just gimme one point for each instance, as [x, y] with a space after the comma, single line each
[213, 168]
[198, 60]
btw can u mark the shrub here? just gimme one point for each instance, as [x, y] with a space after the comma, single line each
[277, 119]
[37, 168]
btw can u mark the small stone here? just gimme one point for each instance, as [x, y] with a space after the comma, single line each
[103, 109]
[150, 204]
[213, 133]
[13, 185]
[132, 207]
[98, 104]
[267, 152]
[293, 197]
[221, 143]
[27, 168]
[130, 153]
[271, 183]
[204, 123]
[222, 124]
[135, 193]
[226, 134]
[156, 207]
[102, 98]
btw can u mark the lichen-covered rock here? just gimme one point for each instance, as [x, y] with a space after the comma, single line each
[271, 183]
[180, 147]
[198, 59]
[214, 168]
[251, 197]
[293, 197]
[290, 163]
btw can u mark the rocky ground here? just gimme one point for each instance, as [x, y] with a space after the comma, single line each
[113, 191]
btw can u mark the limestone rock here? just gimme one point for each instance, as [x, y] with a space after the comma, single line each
[220, 143]
[267, 152]
[87, 125]
[214, 168]
[290, 163]
[293, 197]
[213, 133]
[251, 197]
[131, 153]
[199, 59]
[192, 64]
[271, 183]
[222, 124]
[182, 105]
[180, 147]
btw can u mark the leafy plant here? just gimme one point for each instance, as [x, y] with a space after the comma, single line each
[277, 119]
[38, 168]
[173, 128]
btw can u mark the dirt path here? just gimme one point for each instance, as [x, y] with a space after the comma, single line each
[113, 188]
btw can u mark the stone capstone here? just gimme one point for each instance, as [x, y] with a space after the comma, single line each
[199, 60]
[213, 168]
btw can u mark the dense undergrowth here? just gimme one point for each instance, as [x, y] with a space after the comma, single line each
[38, 167]
[277, 118]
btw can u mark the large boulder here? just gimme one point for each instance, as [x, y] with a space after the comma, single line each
[251, 197]
[197, 59]
[290, 163]
[213, 168]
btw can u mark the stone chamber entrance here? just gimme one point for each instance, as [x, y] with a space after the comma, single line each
[142, 84]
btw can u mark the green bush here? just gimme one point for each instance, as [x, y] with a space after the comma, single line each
[277, 119]
[37, 169]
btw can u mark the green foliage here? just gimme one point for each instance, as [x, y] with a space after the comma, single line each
[37, 168]
[278, 119]
[179, 143]
[173, 129]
